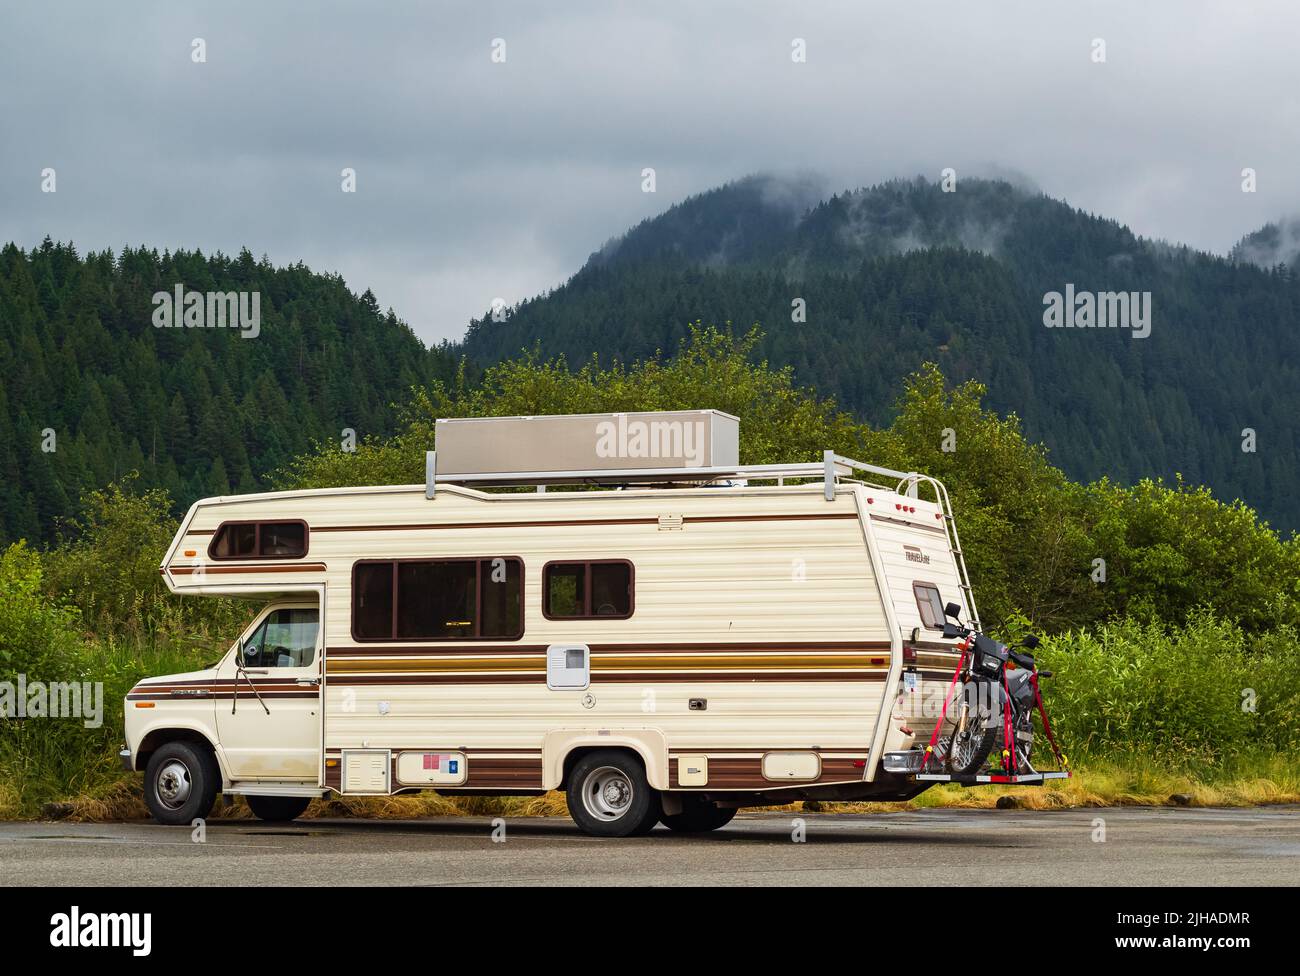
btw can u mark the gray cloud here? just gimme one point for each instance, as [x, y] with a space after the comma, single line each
[479, 180]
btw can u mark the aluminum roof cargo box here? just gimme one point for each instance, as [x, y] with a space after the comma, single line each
[670, 439]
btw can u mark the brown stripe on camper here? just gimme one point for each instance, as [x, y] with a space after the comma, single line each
[221, 688]
[746, 773]
[444, 650]
[612, 663]
[485, 769]
[250, 568]
[612, 677]
[483, 773]
[559, 523]
[940, 662]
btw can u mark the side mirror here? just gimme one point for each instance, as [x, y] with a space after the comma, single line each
[952, 610]
[1030, 642]
[951, 630]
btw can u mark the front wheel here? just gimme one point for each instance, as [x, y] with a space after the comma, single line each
[974, 737]
[609, 795]
[277, 809]
[697, 816]
[181, 783]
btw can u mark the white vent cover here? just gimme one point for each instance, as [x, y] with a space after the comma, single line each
[365, 771]
[568, 667]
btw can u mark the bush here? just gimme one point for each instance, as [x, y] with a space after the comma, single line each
[107, 567]
[1182, 695]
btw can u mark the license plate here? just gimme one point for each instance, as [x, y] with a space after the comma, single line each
[909, 681]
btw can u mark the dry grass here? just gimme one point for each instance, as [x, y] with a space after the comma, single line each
[1099, 785]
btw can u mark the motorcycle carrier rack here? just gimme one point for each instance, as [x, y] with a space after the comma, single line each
[1007, 774]
[979, 779]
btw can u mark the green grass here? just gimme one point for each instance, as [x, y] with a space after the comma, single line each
[46, 760]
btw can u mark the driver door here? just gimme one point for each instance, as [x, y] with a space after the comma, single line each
[278, 737]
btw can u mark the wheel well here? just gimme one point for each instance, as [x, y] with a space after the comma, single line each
[160, 737]
[575, 754]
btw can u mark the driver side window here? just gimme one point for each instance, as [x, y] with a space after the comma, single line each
[285, 639]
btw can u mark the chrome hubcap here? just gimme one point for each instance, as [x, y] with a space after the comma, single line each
[607, 793]
[174, 784]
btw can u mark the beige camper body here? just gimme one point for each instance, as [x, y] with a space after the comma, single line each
[776, 641]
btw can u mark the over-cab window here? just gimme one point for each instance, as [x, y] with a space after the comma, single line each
[930, 604]
[443, 599]
[596, 588]
[259, 540]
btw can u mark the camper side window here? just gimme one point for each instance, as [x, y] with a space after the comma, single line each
[930, 604]
[443, 599]
[598, 588]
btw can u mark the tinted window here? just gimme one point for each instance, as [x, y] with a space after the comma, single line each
[500, 602]
[435, 600]
[259, 540]
[372, 600]
[286, 539]
[234, 540]
[930, 604]
[566, 585]
[450, 599]
[588, 589]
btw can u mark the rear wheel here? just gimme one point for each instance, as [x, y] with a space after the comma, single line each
[698, 816]
[609, 795]
[277, 809]
[181, 783]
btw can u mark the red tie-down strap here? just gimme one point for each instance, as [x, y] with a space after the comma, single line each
[1047, 726]
[934, 736]
[1008, 746]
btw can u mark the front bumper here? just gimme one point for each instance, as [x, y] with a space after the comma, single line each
[128, 761]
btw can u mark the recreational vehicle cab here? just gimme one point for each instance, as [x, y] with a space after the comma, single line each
[609, 605]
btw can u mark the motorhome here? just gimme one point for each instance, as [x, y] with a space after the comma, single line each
[608, 605]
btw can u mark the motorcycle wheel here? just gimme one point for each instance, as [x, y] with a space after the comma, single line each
[972, 741]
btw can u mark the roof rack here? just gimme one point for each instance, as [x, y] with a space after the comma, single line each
[831, 468]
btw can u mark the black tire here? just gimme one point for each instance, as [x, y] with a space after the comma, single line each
[181, 782]
[698, 816]
[969, 750]
[278, 809]
[608, 795]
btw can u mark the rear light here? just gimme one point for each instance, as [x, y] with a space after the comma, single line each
[909, 655]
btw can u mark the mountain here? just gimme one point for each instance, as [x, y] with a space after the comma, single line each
[90, 389]
[1273, 245]
[901, 273]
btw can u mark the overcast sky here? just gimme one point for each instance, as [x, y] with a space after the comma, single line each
[478, 180]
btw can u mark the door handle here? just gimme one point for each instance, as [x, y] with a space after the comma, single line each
[309, 682]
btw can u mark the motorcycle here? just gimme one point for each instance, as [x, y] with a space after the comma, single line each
[998, 695]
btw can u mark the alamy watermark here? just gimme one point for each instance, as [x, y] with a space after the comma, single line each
[1098, 310]
[179, 309]
[676, 439]
[53, 699]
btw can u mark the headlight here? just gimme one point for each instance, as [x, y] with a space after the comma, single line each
[989, 663]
